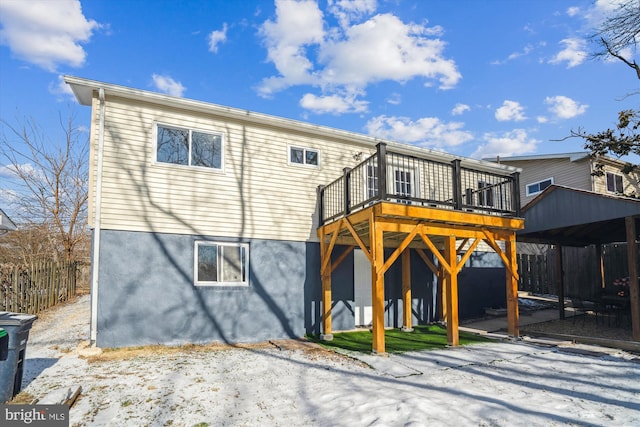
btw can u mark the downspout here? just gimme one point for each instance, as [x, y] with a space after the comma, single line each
[95, 264]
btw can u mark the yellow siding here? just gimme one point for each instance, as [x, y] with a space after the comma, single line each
[630, 182]
[257, 195]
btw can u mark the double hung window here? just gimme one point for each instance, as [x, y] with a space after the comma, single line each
[614, 183]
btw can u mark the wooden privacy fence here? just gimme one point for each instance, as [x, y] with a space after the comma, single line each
[539, 273]
[31, 289]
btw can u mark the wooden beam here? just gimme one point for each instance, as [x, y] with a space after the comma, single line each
[329, 249]
[632, 256]
[452, 292]
[406, 291]
[512, 290]
[600, 261]
[450, 216]
[490, 239]
[377, 288]
[401, 225]
[441, 259]
[400, 249]
[427, 261]
[466, 256]
[325, 259]
[441, 294]
[357, 238]
[461, 245]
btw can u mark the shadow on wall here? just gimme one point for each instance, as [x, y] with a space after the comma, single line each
[147, 293]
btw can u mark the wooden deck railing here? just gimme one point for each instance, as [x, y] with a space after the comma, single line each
[400, 178]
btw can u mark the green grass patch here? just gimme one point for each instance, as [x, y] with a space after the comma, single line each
[429, 337]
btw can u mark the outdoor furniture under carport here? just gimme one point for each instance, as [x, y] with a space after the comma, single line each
[565, 216]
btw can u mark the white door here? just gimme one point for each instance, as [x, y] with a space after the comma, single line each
[362, 288]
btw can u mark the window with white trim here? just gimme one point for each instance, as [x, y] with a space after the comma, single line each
[614, 183]
[538, 187]
[221, 264]
[188, 147]
[304, 156]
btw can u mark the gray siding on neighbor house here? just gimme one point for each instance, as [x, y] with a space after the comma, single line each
[147, 296]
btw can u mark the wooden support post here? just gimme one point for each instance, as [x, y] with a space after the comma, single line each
[632, 256]
[327, 334]
[451, 291]
[600, 261]
[406, 291]
[560, 277]
[377, 288]
[441, 296]
[512, 288]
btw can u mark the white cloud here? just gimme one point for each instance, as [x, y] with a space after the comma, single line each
[298, 25]
[565, 108]
[510, 143]
[573, 11]
[216, 38]
[307, 51]
[574, 52]
[46, 33]
[426, 132]
[168, 85]
[542, 119]
[510, 111]
[61, 88]
[348, 10]
[460, 109]
[394, 99]
[334, 104]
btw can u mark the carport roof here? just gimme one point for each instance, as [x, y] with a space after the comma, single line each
[571, 217]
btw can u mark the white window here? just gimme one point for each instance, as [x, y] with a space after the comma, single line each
[614, 183]
[371, 181]
[188, 147]
[538, 187]
[221, 264]
[304, 156]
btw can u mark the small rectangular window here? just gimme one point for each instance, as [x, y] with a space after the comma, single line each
[188, 147]
[304, 156]
[538, 187]
[614, 183]
[221, 264]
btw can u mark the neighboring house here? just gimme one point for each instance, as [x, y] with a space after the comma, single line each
[572, 170]
[205, 219]
[6, 224]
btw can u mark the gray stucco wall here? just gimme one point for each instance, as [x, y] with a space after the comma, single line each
[147, 296]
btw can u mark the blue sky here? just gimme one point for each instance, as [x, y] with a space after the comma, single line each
[470, 77]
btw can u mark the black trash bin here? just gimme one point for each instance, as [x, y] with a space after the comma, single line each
[17, 327]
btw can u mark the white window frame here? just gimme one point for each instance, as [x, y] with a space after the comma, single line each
[190, 130]
[391, 181]
[533, 193]
[304, 156]
[220, 263]
[615, 176]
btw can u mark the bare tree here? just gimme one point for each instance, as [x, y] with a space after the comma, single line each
[619, 33]
[617, 36]
[52, 183]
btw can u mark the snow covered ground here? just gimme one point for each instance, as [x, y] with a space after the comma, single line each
[288, 384]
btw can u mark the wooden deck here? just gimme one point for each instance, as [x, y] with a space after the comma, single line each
[444, 239]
